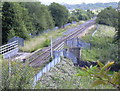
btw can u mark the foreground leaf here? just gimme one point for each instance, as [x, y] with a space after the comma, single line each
[97, 82]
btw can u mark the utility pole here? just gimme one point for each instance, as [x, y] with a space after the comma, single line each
[51, 48]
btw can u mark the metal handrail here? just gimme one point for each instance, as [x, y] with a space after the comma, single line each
[8, 47]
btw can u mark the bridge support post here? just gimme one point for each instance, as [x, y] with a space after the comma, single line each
[76, 53]
[51, 49]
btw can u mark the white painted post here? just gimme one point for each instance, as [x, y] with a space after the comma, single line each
[51, 48]
[80, 53]
[9, 65]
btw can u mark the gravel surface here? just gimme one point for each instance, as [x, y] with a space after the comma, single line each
[21, 56]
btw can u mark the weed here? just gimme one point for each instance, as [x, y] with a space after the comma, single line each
[42, 41]
[102, 46]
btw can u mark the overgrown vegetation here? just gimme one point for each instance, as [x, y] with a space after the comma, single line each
[108, 16]
[102, 75]
[63, 76]
[79, 14]
[102, 46]
[59, 13]
[16, 75]
[27, 19]
[22, 19]
[44, 39]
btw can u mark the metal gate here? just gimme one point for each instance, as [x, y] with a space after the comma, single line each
[9, 50]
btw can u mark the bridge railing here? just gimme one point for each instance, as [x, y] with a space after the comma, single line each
[59, 47]
[9, 49]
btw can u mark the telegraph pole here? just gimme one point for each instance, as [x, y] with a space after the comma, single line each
[51, 48]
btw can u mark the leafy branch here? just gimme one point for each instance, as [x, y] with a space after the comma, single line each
[102, 75]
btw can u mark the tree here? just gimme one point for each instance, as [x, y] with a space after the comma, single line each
[41, 16]
[82, 15]
[1, 4]
[108, 16]
[72, 18]
[59, 13]
[117, 36]
[13, 21]
[21, 19]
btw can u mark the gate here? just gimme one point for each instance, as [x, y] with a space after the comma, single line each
[9, 50]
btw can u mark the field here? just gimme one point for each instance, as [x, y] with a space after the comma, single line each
[43, 40]
[102, 47]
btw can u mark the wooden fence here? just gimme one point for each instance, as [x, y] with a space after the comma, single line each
[9, 49]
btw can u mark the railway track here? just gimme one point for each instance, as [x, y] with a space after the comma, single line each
[45, 55]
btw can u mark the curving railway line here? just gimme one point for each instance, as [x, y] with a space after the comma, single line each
[45, 53]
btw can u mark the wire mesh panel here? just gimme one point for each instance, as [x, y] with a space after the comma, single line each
[76, 42]
[70, 55]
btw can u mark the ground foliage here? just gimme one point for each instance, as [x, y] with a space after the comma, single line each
[16, 75]
[102, 75]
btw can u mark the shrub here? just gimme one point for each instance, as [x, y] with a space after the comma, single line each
[102, 75]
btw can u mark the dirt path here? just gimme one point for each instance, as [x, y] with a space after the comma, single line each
[21, 55]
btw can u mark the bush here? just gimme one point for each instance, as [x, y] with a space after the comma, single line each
[108, 16]
[46, 43]
[102, 75]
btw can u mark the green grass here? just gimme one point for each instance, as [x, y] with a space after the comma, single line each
[103, 48]
[64, 76]
[42, 41]
[85, 83]
[1, 59]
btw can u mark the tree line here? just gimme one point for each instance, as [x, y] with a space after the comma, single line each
[79, 14]
[91, 6]
[25, 18]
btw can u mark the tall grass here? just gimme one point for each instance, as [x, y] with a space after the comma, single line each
[43, 40]
[103, 48]
[1, 59]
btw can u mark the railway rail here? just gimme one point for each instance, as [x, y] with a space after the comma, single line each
[45, 55]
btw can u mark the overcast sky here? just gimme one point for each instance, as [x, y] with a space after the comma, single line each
[76, 1]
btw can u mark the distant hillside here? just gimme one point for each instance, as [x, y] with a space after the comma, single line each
[91, 6]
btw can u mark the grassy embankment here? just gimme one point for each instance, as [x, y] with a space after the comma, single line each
[103, 48]
[0, 59]
[42, 41]
[63, 76]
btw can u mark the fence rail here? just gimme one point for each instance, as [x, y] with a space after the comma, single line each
[59, 47]
[76, 42]
[9, 49]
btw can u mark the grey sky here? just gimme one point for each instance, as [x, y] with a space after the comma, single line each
[76, 1]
